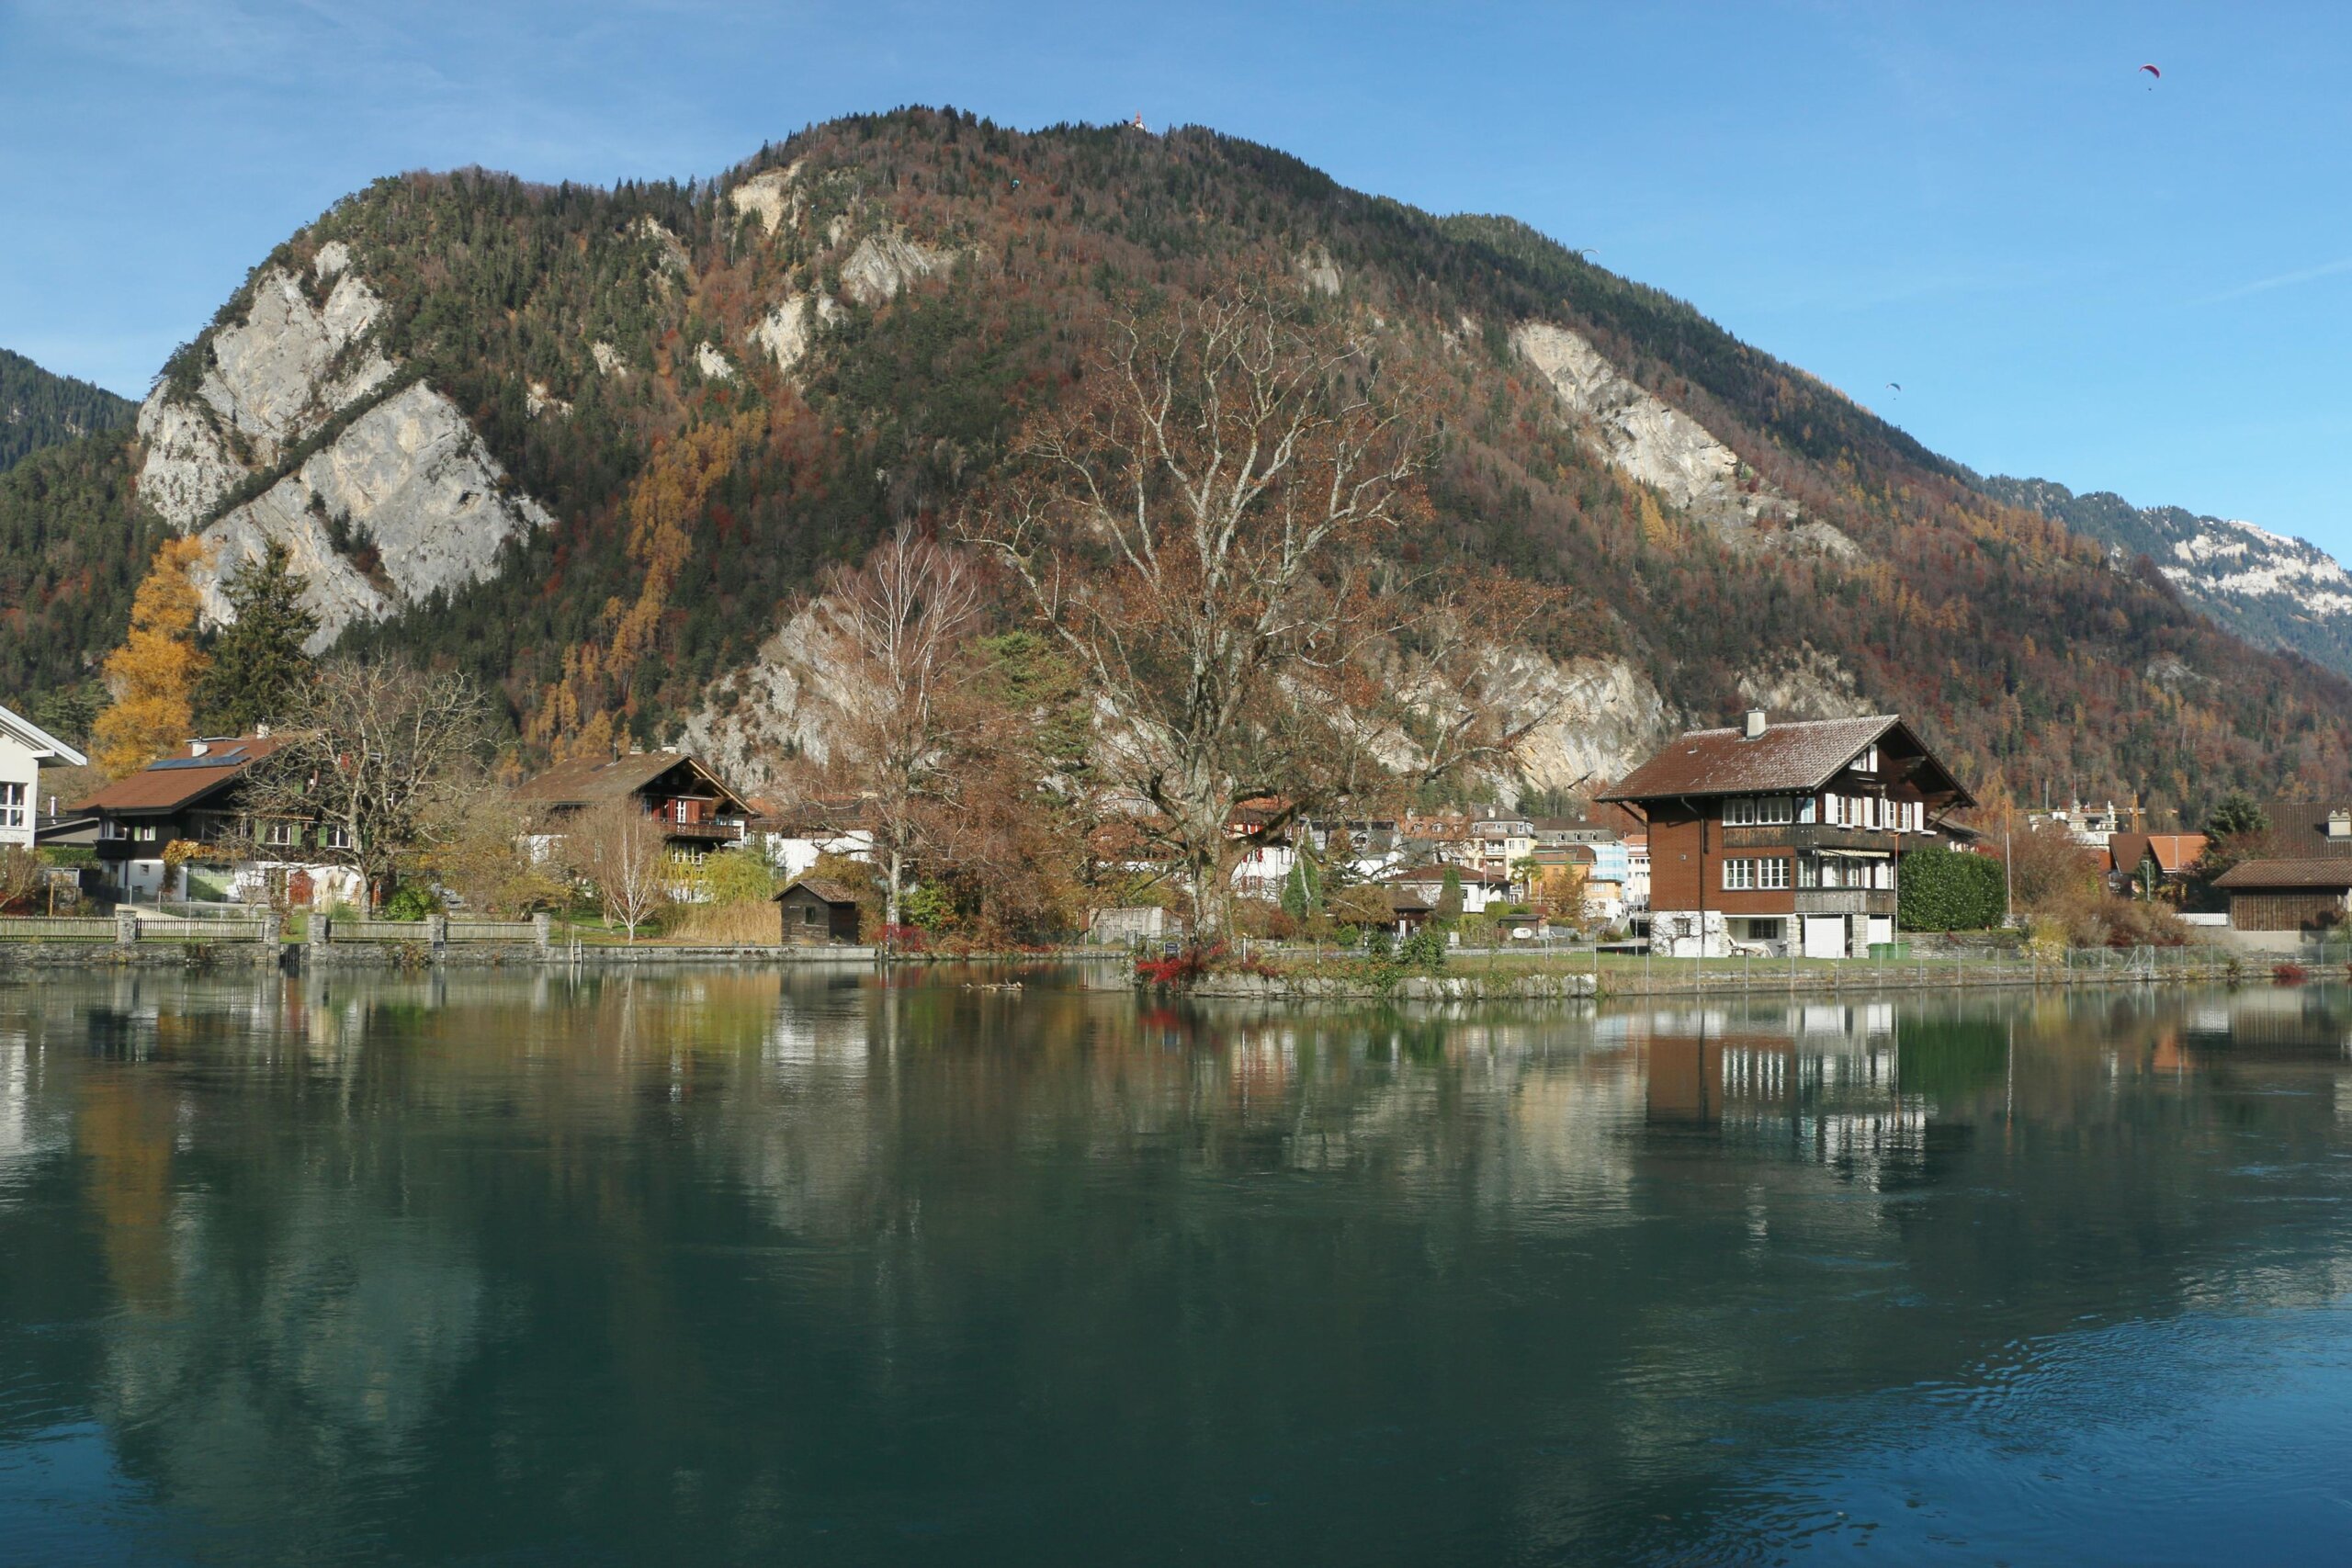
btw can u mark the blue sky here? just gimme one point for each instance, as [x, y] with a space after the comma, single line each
[2074, 272]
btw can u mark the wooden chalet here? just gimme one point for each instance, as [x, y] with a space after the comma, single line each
[1784, 837]
[696, 811]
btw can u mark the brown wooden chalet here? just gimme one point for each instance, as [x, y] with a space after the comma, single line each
[1779, 836]
[695, 810]
[193, 796]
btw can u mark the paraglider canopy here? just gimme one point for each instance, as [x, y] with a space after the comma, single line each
[1896, 386]
[2153, 72]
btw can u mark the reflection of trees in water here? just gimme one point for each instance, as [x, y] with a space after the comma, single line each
[680, 1253]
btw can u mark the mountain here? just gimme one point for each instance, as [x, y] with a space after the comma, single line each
[598, 445]
[2270, 590]
[39, 408]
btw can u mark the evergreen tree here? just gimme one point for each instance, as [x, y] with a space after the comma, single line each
[2238, 815]
[258, 664]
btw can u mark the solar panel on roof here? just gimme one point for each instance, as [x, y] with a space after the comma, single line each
[170, 763]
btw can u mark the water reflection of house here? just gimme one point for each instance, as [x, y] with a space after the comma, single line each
[1824, 1081]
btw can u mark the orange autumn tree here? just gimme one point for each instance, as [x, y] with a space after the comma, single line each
[152, 677]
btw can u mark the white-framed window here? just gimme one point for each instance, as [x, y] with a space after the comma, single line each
[333, 838]
[1739, 875]
[1868, 761]
[145, 832]
[1808, 809]
[1750, 874]
[1809, 872]
[1773, 874]
[1739, 811]
[12, 804]
[277, 835]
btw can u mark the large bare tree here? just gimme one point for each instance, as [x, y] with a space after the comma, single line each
[902, 624]
[1208, 522]
[617, 848]
[371, 750]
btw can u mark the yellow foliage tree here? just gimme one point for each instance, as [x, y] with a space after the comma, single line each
[152, 675]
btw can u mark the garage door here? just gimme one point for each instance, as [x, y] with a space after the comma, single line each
[1824, 936]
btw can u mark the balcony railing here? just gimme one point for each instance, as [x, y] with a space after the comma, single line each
[1811, 836]
[712, 831]
[1845, 901]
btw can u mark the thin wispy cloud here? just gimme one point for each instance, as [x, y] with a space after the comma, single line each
[2284, 280]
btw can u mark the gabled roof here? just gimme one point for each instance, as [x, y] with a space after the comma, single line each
[1787, 758]
[592, 781]
[182, 779]
[2173, 852]
[830, 891]
[45, 747]
[2332, 872]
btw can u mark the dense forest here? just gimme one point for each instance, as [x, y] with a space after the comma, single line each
[39, 408]
[602, 342]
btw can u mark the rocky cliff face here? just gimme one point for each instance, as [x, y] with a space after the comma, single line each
[2273, 591]
[402, 501]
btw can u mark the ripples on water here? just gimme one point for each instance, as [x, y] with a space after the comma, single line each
[708, 1267]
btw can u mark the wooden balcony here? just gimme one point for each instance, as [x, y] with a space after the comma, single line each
[1845, 901]
[701, 832]
[1803, 836]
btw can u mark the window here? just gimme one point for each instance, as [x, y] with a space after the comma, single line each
[1868, 761]
[145, 832]
[1808, 809]
[12, 806]
[1809, 872]
[279, 835]
[1739, 875]
[334, 839]
[1744, 874]
[808, 915]
[1772, 874]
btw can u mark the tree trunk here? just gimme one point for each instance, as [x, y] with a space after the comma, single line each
[890, 899]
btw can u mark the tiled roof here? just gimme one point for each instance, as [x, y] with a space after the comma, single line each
[2257, 874]
[2174, 853]
[180, 779]
[1789, 756]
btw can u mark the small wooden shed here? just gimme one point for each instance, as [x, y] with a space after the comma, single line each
[814, 912]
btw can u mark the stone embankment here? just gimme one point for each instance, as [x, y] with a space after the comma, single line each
[1403, 988]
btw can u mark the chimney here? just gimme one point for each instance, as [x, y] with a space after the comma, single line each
[2339, 824]
[261, 731]
[1755, 723]
[199, 748]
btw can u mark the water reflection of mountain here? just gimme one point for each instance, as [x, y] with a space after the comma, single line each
[686, 1261]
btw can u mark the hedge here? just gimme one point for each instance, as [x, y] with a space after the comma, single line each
[1950, 890]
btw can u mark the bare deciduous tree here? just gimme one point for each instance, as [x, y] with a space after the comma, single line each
[617, 848]
[370, 752]
[1207, 523]
[901, 625]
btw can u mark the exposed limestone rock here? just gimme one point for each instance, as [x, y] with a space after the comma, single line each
[789, 331]
[1807, 684]
[187, 468]
[535, 397]
[788, 701]
[670, 251]
[1659, 446]
[608, 358]
[1595, 719]
[837, 230]
[289, 365]
[333, 257]
[713, 365]
[770, 196]
[412, 480]
[884, 263]
[1318, 271]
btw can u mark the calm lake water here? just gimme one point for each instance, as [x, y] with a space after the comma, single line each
[708, 1268]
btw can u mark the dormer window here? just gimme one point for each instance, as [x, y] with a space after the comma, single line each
[1868, 761]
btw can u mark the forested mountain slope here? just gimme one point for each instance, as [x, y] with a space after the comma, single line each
[2270, 590]
[39, 408]
[595, 445]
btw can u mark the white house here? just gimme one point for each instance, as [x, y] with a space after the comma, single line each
[24, 747]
